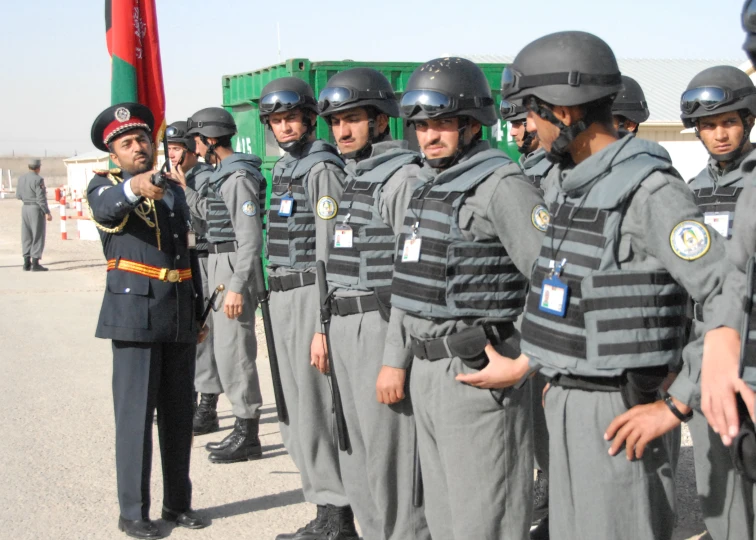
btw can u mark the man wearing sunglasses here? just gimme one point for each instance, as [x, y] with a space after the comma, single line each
[605, 316]
[234, 234]
[533, 159]
[469, 239]
[306, 189]
[720, 103]
[182, 153]
[378, 471]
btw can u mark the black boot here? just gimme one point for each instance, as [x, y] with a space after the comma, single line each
[341, 523]
[540, 507]
[223, 443]
[317, 529]
[36, 267]
[206, 417]
[244, 444]
[27, 264]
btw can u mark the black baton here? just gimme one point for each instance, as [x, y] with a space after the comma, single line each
[417, 480]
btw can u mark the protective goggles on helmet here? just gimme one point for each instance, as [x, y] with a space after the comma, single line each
[435, 103]
[336, 96]
[711, 97]
[173, 132]
[285, 99]
[509, 109]
[191, 124]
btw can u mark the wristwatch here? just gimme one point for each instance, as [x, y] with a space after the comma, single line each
[672, 407]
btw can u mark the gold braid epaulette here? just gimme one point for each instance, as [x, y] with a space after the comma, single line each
[114, 175]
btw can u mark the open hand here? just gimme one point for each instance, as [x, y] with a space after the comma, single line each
[501, 372]
[233, 305]
[641, 425]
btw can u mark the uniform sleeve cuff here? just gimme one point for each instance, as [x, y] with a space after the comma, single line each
[686, 392]
[133, 199]
[397, 357]
[236, 285]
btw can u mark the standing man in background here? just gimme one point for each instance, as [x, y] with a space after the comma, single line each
[31, 189]
[182, 151]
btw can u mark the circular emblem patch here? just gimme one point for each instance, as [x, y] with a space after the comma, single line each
[690, 240]
[540, 218]
[327, 208]
[122, 114]
[249, 208]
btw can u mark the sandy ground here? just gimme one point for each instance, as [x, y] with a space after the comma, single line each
[57, 468]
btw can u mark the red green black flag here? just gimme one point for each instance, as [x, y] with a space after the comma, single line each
[134, 47]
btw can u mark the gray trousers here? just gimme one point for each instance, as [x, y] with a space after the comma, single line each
[378, 472]
[235, 344]
[540, 431]
[594, 495]
[476, 452]
[33, 227]
[309, 435]
[206, 378]
[726, 498]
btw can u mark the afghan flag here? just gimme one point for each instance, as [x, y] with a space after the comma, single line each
[134, 47]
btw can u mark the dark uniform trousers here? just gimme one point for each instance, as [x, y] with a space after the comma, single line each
[151, 323]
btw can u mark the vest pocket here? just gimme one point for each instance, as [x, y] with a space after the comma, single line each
[633, 319]
[126, 303]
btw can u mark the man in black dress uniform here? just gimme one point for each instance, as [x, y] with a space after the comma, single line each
[150, 311]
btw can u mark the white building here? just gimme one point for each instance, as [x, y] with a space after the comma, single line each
[80, 169]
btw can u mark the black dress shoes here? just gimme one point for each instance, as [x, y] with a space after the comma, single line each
[139, 528]
[188, 519]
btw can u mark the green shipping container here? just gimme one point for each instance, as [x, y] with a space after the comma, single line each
[241, 95]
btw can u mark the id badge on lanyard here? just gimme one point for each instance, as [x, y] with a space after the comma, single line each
[286, 209]
[555, 294]
[343, 234]
[412, 245]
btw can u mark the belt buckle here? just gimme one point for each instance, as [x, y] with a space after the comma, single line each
[171, 276]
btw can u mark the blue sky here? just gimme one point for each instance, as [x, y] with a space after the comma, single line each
[56, 70]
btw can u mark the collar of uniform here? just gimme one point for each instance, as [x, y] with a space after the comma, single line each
[725, 176]
[575, 180]
[533, 158]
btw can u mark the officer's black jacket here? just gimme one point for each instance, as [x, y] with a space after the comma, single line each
[135, 307]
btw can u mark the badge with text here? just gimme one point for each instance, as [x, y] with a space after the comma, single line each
[555, 294]
[690, 240]
[327, 208]
[342, 237]
[719, 221]
[287, 206]
[191, 239]
[411, 252]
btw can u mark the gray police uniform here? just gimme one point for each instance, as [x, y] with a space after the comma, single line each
[31, 190]
[630, 232]
[314, 179]
[537, 167]
[206, 377]
[234, 234]
[725, 503]
[480, 223]
[378, 471]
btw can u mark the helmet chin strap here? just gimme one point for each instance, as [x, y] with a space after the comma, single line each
[527, 142]
[374, 138]
[293, 146]
[209, 152]
[462, 149]
[738, 152]
[559, 153]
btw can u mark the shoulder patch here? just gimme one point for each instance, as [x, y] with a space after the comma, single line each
[249, 208]
[690, 240]
[540, 218]
[327, 208]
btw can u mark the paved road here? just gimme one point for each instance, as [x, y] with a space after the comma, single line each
[57, 468]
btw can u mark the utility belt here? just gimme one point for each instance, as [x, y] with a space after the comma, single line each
[638, 386]
[743, 447]
[292, 281]
[31, 203]
[469, 344]
[343, 307]
[222, 247]
[155, 272]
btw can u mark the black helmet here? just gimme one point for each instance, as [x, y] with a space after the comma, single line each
[565, 68]
[211, 122]
[285, 94]
[749, 25]
[631, 102]
[513, 111]
[448, 87]
[717, 90]
[176, 133]
[358, 87]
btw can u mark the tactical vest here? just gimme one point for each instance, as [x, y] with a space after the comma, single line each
[616, 319]
[717, 202]
[748, 348]
[455, 277]
[220, 228]
[291, 240]
[536, 169]
[369, 263]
